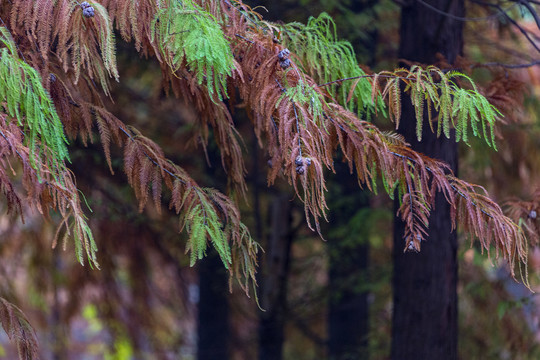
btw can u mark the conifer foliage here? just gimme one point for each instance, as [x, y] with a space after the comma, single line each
[56, 62]
[18, 330]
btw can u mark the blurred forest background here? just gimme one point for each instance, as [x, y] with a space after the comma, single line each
[148, 303]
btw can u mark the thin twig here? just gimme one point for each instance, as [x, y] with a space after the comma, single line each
[244, 38]
[298, 130]
[241, 13]
[509, 18]
[361, 77]
[460, 18]
[533, 12]
[479, 65]
[508, 66]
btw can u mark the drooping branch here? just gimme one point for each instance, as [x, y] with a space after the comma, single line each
[208, 216]
[19, 330]
[45, 189]
[300, 125]
[325, 126]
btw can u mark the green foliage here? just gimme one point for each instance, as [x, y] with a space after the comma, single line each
[25, 99]
[90, 314]
[435, 91]
[84, 240]
[123, 350]
[188, 35]
[326, 58]
[470, 107]
[305, 96]
[202, 223]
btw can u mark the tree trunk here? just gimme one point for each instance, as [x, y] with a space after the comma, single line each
[348, 260]
[213, 321]
[213, 318]
[348, 310]
[425, 299]
[58, 333]
[273, 280]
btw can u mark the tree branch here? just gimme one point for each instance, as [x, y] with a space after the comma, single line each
[460, 18]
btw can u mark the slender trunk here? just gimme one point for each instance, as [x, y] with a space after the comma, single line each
[213, 322]
[273, 282]
[58, 333]
[213, 318]
[348, 310]
[348, 260]
[425, 299]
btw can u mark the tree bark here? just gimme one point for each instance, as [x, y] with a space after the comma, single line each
[425, 299]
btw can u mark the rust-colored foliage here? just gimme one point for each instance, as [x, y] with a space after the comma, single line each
[19, 330]
[526, 214]
[298, 123]
[291, 116]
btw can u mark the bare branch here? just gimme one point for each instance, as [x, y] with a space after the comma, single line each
[509, 18]
[460, 18]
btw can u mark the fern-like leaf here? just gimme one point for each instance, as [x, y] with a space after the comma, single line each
[26, 100]
[457, 107]
[192, 37]
[19, 330]
[324, 57]
[87, 44]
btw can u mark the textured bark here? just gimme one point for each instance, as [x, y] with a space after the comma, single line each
[273, 280]
[425, 299]
[348, 324]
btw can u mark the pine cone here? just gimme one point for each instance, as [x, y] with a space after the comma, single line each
[412, 247]
[88, 12]
[285, 63]
[85, 4]
[283, 54]
[300, 169]
[299, 161]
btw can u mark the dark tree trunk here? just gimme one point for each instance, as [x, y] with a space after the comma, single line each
[273, 280]
[425, 299]
[348, 310]
[348, 261]
[213, 322]
[214, 337]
